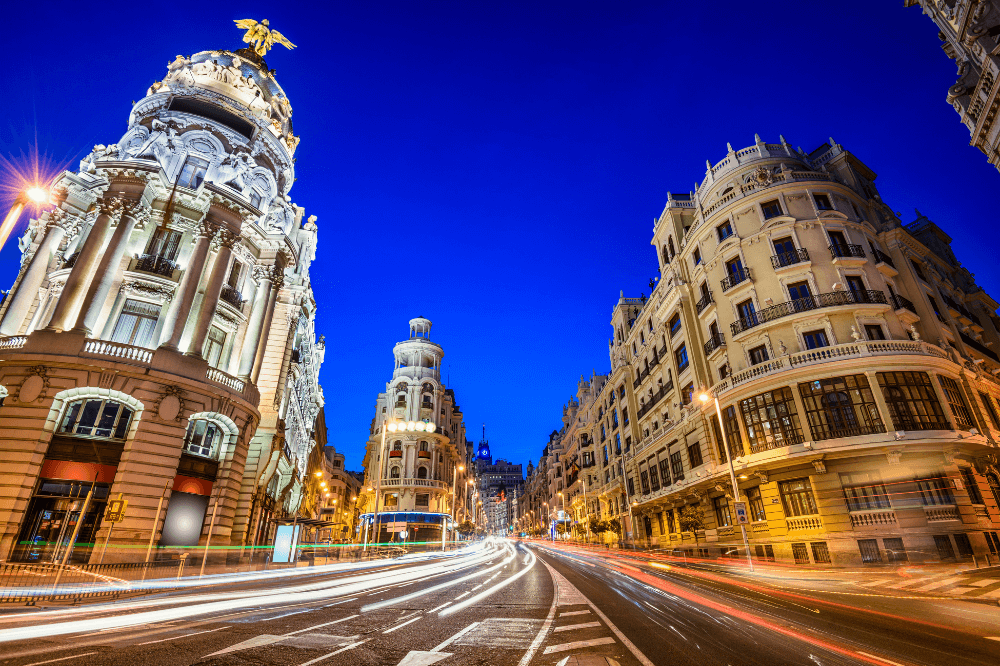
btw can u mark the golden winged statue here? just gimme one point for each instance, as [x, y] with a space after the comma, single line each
[262, 37]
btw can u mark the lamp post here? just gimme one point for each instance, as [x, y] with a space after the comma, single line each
[548, 514]
[704, 397]
[586, 509]
[564, 509]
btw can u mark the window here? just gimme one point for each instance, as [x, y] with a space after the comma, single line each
[665, 473]
[990, 409]
[675, 324]
[631, 486]
[822, 202]
[963, 417]
[895, 551]
[840, 407]
[964, 545]
[202, 438]
[771, 420]
[971, 486]
[801, 296]
[687, 393]
[394, 473]
[912, 402]
[659, 522]
[869, 551]
[235, 273]
[758, 355]
[97, 418]
[696, 256]
[771, 209]
[682, 358]
[694, 455]
[864, 491]
[800, 553]
[165, 243]
[919, 271]
[421, 472]
[821, 554]
[654, 479]
[934, 306]
[625, 415]
[423, 500]
[676, 465]
[724, 230]
[722, 515]
[136, 323]
[735, 269]
[839, 243]
[797, 498]
[723, 371]
[644, 482]
[815, 339]
[391, 500]
[618, 443]
[935, 491]
[213, 345]
[193, 172]
[858, 289]
[755, 505]
[874, 332]
[747, 314]
[614, 417]
[628, 443]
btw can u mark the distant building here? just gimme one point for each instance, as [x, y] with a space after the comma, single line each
[971, 34]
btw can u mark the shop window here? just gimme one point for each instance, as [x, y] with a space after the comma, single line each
[771, 420]
[391, 500]
[840, 407]
[694, 455]
[956, 400]
[797, 498]
[136, 323]
[202, 438]
[96, 418]
[912, 402]
[52, 516]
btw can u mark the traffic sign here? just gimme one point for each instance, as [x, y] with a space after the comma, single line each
[115, 512]
[742, 517]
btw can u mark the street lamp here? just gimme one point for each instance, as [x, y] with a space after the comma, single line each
[564, 507]
[36, 195]
[704, 397]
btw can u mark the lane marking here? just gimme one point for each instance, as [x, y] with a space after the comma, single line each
[72, 656]
[325, 624]
[163, 640]
[464, 594]
[308, 610]
[571, 627]
[447, 603]
[535, 644]
[490, 590]
[992, 638]
[454, 638]
[894, 663]
[327, 656]
[562, 647]
[337, 603]
[400, 626]
[568, 613]
[935, 585]
[477, 587]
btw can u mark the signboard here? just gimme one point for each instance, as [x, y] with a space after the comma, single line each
[285, 541]
[115, 512]
[741, 513]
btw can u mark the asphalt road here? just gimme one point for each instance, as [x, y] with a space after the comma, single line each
[502, 604]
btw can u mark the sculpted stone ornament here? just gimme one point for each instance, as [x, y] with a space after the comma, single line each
[261, 36]
[233, 170]
[761, 177]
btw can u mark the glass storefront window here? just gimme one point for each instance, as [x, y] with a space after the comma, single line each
[51, 518]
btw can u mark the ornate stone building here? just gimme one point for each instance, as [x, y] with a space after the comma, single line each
[970, 30]
[853, 357]
[158, 341]
[415, 477]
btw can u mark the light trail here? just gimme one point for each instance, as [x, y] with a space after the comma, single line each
[487, 592]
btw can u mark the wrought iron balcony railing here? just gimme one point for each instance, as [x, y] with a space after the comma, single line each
[871, 296]
[790, 258]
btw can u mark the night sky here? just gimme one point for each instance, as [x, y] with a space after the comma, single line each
[498, 169]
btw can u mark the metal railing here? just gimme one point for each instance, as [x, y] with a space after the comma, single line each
[902, 303]
[838, 251]
[232, 296]
[870, 296]
[151, 263]
[882, 258]
[715, 342]
[790, 258]
[734, 278]
[23, 582]
[705, 301]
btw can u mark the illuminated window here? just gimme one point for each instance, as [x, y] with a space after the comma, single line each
[202, 438]
[97, 418]
[193, 172]
[136, 323]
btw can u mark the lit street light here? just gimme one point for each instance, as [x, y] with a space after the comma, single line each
[32, 195]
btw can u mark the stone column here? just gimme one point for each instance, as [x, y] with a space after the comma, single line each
[272, 301]
[133, 213]
[265, 275]
[227, 239]
[31, 282]
[177, 316]
[76, 284]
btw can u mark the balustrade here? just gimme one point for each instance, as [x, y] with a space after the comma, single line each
[872, 518]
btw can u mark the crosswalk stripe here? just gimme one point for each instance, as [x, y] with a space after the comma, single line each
[568, 613]
[570, 627]
[562, 647]
[935, 585]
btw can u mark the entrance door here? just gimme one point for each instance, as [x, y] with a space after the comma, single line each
[51, 518]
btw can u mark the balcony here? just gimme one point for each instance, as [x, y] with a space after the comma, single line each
[961, 312]
[941, 514]
[425, 483]
[232, 296]
[884, 263]
[735, 277]
[902, 303]
[395, 454]
[786, 259]
[868, 297]
[425, 455]
[979, 347]
[715, 343]
[151, 263]
[705, 301]
[852, 253]
[655, 398]
[876, 519]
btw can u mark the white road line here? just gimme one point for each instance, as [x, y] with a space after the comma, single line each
[568, 613]
[454, 638]
[337, 603]
[72, 656]
[327, 656]
[477, 587]
[400, 626]
[325, 624]
[308, 610]
[163, 640]
[464, 594]
[936, 584]
[577, 644]
[533, 648]
[894, 663]
[490, 590]
[447, 603]
[992, 638]
[571, 627]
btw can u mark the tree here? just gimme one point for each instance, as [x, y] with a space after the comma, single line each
[466, 528]
[692, 519]
[598, 526]
[563, 528]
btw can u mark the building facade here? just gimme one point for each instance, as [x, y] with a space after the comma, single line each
[970, 30]
[414, 475]
[853, 359]
[158, 342]
[500, 483]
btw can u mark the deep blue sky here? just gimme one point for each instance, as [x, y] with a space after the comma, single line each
[497, 169]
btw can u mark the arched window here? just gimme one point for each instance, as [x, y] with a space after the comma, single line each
[421, 472]
[994, 482]
[423, 446]
[97, 418]
[839, 411]
[393, 472]
[666, 255]
[202, 438]
[670, 244]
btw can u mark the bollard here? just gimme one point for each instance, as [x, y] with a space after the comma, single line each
[180, 567]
